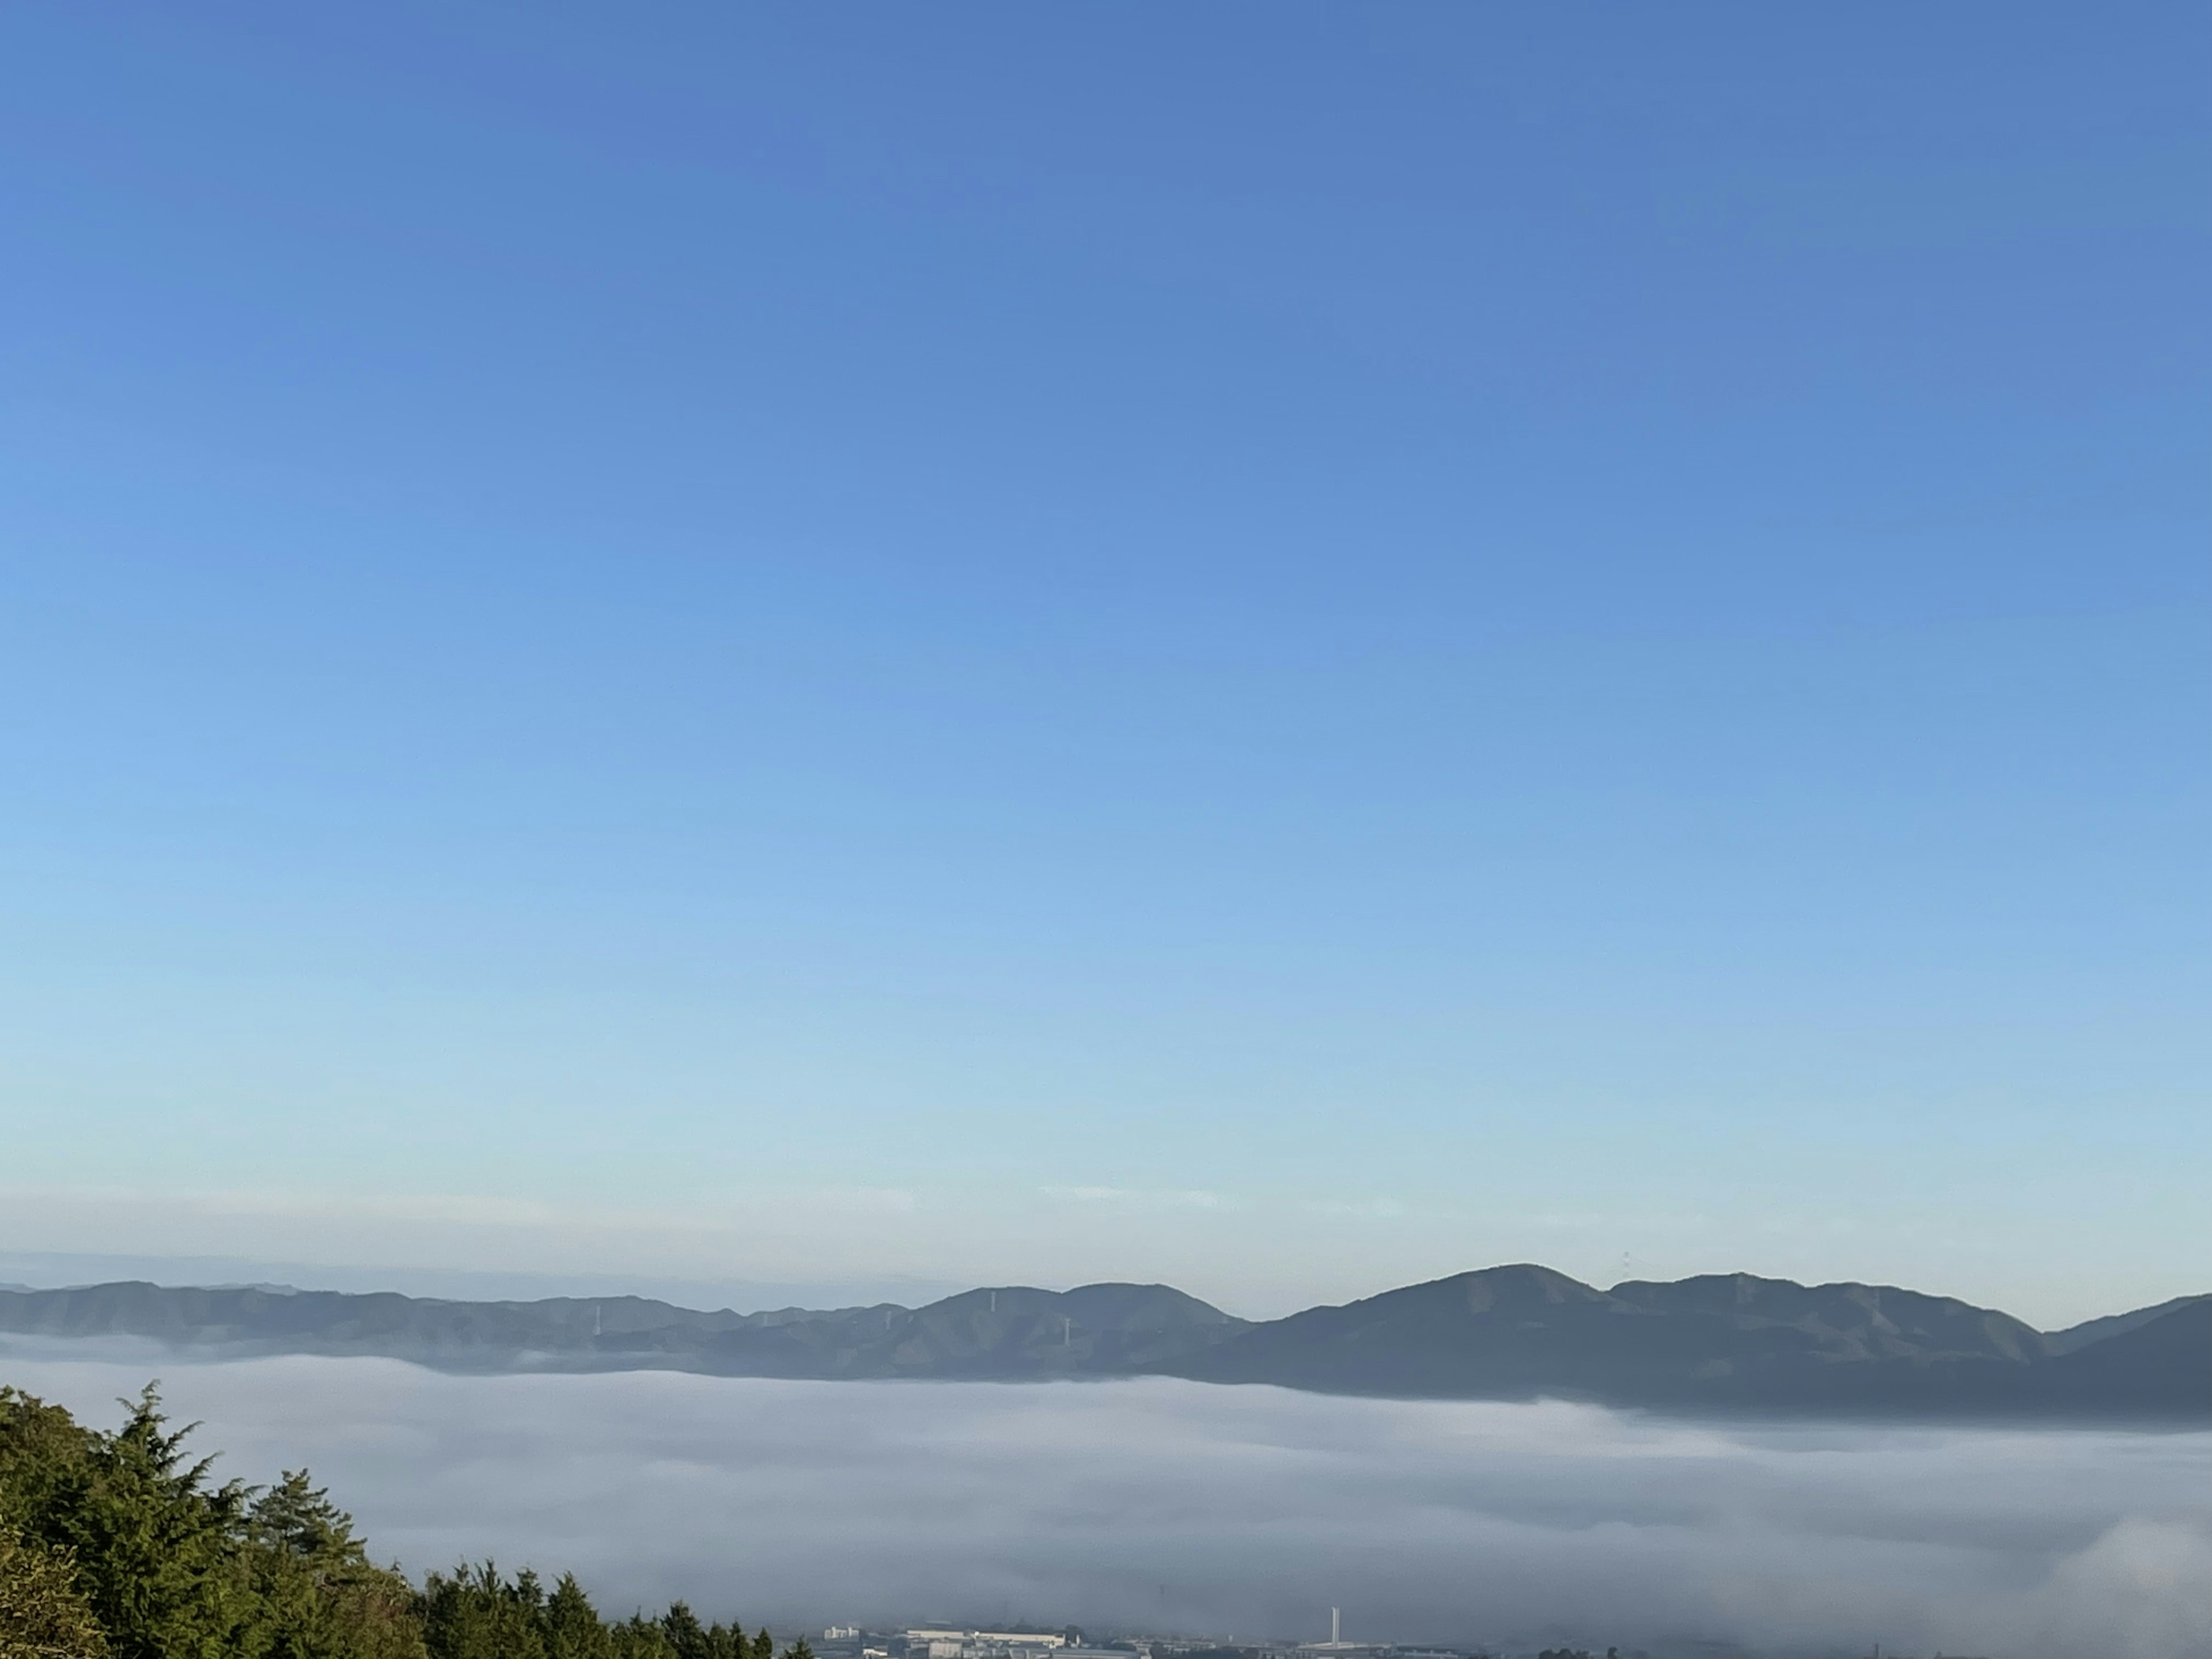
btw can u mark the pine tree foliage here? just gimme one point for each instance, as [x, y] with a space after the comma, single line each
[117, 1544]
[41, 1615]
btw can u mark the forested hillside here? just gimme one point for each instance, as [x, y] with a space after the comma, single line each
[119, 1545]
[1722, 1343]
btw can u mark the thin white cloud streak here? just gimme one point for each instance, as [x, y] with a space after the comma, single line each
[1135, 1198]
[1235, 1510]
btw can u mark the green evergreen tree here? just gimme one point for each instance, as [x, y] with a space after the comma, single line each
[475, 1613]
[687, 1638]
[638, 1637]
[156, 1543]
[321, 1596]
[574, 1629]
[42, 1616]
[116, 1545]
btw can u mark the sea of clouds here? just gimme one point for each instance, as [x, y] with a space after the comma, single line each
[1244, 1511]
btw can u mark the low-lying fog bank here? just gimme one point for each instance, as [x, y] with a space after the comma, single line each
[1164, 1505]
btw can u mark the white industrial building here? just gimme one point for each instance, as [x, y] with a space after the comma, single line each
[985, 1644]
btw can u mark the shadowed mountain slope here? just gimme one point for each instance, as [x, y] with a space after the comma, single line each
[1014, 1331]
[1716, 1343]
[1844, 1322]
[2096, 1330]
[2160, 1367]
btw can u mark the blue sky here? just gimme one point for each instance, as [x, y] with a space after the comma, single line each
[1286, 649]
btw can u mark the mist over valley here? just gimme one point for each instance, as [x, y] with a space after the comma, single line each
[1159, 1504]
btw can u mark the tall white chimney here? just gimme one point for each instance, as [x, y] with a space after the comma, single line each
[1335, 1627]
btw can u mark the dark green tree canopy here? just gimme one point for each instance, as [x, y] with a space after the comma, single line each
[117, 1544]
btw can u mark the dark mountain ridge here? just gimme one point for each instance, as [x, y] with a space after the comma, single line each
[2096, 1330]
[1010, 1332]
[1721, 1342]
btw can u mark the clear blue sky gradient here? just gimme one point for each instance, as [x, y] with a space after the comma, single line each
[1286, 646]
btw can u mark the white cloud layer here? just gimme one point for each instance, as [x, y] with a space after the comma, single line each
[1245, 1511]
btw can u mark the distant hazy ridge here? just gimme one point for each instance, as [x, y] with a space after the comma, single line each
[1720, 1342]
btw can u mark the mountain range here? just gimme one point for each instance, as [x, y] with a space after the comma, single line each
[1732, 1343]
